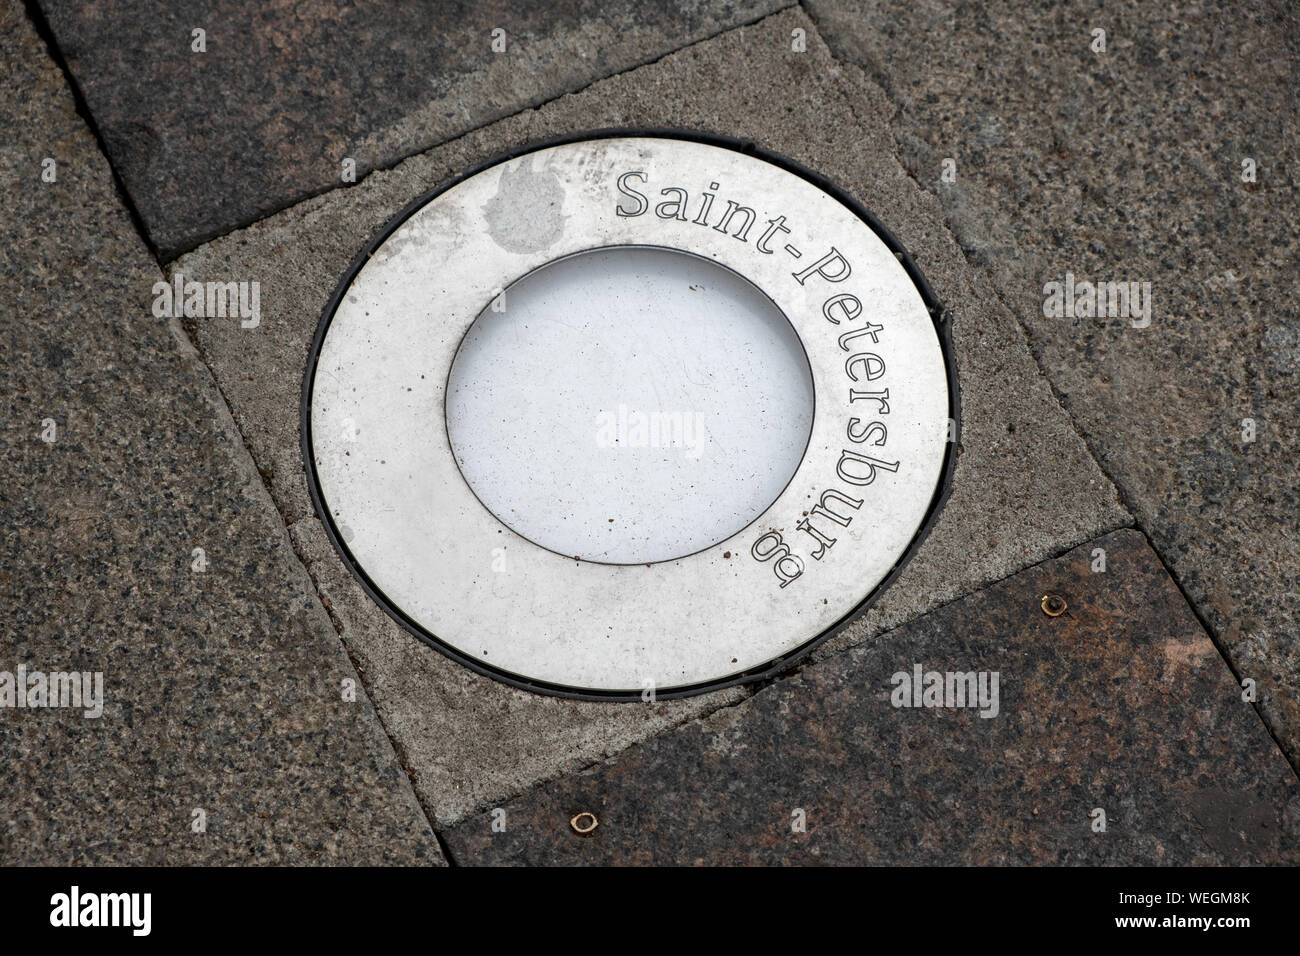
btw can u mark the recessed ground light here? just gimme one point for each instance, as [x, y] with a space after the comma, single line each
[629, 414]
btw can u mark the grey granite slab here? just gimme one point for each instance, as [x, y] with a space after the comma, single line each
[224, 736]
[282, 94]
[1025, 486]
[1125, 166]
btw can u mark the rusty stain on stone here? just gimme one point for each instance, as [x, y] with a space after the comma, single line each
[1053, 605]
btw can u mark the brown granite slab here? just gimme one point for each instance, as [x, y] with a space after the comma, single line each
[1120, 704]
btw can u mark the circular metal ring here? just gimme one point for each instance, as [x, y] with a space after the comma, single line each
[872, 479]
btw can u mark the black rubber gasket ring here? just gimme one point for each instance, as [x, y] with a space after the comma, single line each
[943, 327]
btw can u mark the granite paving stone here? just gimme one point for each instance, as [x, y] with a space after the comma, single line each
[1025, 488]
[1169, 158]
[282, 93]
[1119, 736]
[226, 735]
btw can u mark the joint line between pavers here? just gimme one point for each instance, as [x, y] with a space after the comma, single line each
[232, 424]
[850, 69]
[1232, 668]
[46, 34]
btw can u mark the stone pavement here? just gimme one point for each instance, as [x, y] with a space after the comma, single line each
[225, 692]
[225, 736]
[827, 767]
[1127, 165]
[470, 740]
[284, 93]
